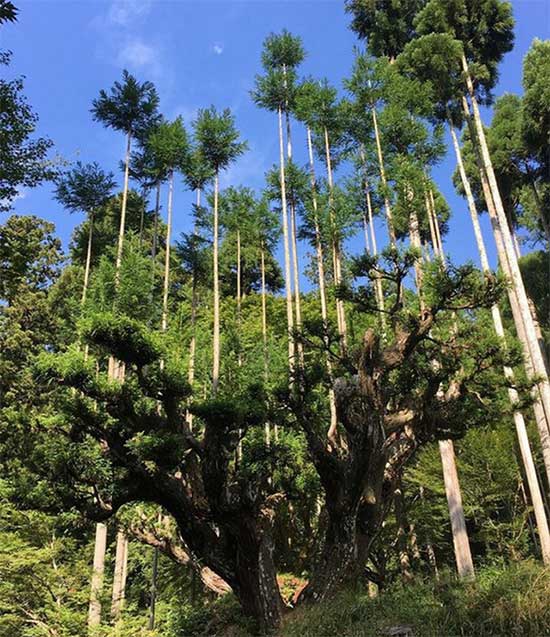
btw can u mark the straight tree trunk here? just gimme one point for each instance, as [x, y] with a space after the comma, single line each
[119, 578]
[155, 238]
[153, 600]
[463, 555]
[509, 253]
[294, 247]
[193, 341]
[288, 276]
[88, 258]
[94, 610]
[166, 285]
[321, 278]
[461, 542]
[122, 225]
[336, 248]
[541, 417]
[216, 336]
[382, 171]
[267, 430]
[539, 413]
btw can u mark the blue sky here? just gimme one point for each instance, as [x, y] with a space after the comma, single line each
[197, 52]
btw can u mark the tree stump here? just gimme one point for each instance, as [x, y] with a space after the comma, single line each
[399, 631]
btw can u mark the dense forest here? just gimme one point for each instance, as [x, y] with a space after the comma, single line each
[285, 421]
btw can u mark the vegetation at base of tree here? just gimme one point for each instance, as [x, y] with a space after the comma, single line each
[273, 457]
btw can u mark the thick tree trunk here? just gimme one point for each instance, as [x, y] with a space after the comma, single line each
[509, 255]
[321, 278]
[119, 577]
[166, 285]
[255, 583]
[216, 335]
[122, 225]
[382, 171]
[288, 276]
[94, 610]
[463, 555]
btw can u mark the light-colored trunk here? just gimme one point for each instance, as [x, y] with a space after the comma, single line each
[122, 224]
[541, 415]
[94, 610]
[509, 255]
[382, 171]
[294, 247]
[166, 285]
[322, 287]
[142, 215]
[193, 341]
[267, 429]
[216, 335]
[288, 276]
[336, 247]
[461, 542]
[239, 296]
[526, 454]
[463, 555]
[88, 258]
[119, 577]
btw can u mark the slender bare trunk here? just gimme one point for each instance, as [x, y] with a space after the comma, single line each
[337, 250]
[193, 341]
[88, 258]
[153, 599]
[142, 216]
[463, 555]
[509, 255]
[321, 279]
[288, 277]
[267, 429]
[216, 336]
[526, 454]
[382, 171]
[94, 610]
[166, 285]
[294, 247]
[119, 578]
[122, 225]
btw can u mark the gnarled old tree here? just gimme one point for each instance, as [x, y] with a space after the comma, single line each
[391, 398]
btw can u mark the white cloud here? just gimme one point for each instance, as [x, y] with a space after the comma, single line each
[217, 48]
[124, 12]
[137, 54]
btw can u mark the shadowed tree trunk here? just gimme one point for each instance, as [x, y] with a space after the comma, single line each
[216, 334]
[94, 611]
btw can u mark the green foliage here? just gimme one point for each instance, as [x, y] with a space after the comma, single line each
[130, 106]
[84, 188]
[23, 157]
[217, 138]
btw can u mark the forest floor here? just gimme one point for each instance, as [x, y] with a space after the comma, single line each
[502, 602]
